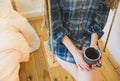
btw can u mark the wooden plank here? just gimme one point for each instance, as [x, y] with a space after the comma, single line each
[28, 70]
[101, 46]
[65, 75]
[108, 54]
[49, 56]
[22, 73]
[40, 63]
[113, 61]
[53, 71]
[55, 74]
[31, 71]
[102, 76]
[35, 18]
[41, 66]
[33, 23]
[109, 72]
[37, 25]
[118, 70]
[41, 31]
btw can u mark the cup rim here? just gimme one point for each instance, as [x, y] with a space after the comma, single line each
[92, 59]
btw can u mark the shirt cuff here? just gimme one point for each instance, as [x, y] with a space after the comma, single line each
[96, 29]
[58, 35]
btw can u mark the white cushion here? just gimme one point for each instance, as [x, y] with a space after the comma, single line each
[6, 4]
[30, 8]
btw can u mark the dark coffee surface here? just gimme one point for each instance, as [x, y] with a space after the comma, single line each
[92, 53]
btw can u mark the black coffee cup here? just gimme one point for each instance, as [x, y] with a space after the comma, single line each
[92, 56]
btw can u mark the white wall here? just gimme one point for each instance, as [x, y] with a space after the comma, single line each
[114, 40]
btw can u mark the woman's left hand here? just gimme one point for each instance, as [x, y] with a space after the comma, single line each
[100, 60]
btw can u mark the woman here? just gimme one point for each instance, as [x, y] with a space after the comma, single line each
[17, 40]
[77, 24]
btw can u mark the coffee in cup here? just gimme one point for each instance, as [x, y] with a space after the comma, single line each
[92, 56]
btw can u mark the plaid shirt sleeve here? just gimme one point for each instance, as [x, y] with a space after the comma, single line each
[100, 20]
[58, 31]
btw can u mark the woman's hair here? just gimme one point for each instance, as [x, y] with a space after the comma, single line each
[112, 4]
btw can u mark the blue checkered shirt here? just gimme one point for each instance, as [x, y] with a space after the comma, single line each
[77, 19]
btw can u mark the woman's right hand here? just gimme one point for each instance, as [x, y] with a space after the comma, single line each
[78, 56]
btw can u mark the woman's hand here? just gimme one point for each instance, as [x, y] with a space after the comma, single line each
[100, 60]
[78, 56]
[94, 41]
[95, 46]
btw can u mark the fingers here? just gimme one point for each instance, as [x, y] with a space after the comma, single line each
[87, 67]
[93, 66]
[95, 46]
[100, 60]
[80, 67]
[84, 67]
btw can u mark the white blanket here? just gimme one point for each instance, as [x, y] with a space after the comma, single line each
[17, 40]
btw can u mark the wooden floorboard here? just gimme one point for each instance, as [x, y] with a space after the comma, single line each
[38, 68]
[23, 73]
[65, 75]
[40, 63]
